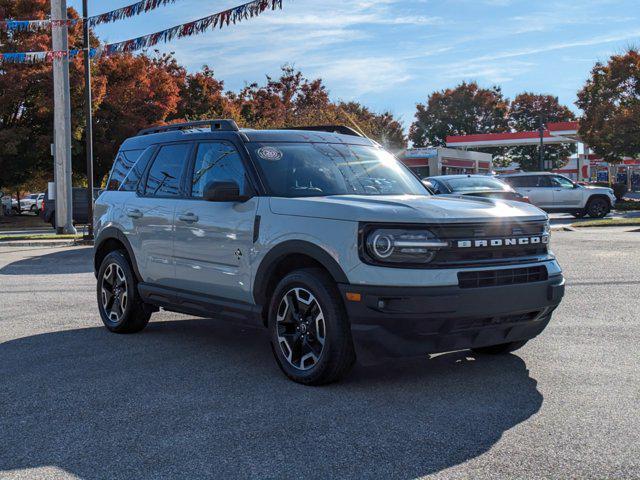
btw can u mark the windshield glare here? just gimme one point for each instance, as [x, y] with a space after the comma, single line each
[321, 169]
[472, 184]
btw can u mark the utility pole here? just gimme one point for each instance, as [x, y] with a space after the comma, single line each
[541, 150]
[62, 120]
[89, 125]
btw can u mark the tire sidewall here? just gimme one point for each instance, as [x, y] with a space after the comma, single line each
[594, 201]
[119, 259]
[333, 316]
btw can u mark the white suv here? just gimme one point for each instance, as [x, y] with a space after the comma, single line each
[555, 193]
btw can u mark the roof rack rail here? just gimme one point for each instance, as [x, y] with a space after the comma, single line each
[216, 125]
[343, 129]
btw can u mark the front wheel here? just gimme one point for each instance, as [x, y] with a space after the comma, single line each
[120, 306]
[598, 207]
[309, 329]
[501, 349]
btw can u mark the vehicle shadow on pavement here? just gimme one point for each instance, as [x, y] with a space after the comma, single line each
[197, 399]
[60, 262]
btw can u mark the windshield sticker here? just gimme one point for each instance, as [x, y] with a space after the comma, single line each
[270, 153]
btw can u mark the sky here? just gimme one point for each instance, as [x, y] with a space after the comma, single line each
[390, 55]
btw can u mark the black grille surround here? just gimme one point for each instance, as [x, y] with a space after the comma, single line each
[452, 257]
[507, 276]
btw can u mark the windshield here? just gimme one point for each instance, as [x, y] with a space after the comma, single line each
[321, 169]
[476, 184]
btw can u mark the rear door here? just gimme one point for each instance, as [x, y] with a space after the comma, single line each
[151, 213]
[536, 187]
[213, 240]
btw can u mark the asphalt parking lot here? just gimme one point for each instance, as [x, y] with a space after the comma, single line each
[196, 399]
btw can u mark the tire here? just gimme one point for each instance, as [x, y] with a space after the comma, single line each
[501, 349]
[598, 207]
[579, 213]
[308, 352]
[34, 209]
[116, 277]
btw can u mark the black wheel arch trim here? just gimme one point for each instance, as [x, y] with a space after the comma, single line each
[596, 196]
[285, 249]
[116, 234]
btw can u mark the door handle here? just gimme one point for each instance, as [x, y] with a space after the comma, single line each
[134, 213]
[188, 217]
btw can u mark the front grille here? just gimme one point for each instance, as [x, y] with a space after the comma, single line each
[494, 278]
[449, 257]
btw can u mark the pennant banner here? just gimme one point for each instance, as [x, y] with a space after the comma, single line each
[33, 25]
[46, 56]
[220, 19]
[128, 11]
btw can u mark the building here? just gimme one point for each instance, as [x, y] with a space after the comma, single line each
[434, 161]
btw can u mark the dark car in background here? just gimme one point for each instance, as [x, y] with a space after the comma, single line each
[80, 207]
[473, 185]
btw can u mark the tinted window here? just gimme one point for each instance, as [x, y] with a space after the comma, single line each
[217, 162]
[321, 169]
[524, 181]
[121, 166]
[471, 184]
[438, 187]
[130, 183]
[164, 175]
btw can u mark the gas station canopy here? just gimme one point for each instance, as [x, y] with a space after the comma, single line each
[558, 132]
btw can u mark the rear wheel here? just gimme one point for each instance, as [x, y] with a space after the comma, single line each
[310, 333]
[501, 349]
[598, 207]
[120, 306]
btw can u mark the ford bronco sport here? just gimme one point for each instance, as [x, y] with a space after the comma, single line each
[322, 237]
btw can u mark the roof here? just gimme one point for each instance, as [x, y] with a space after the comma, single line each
[141, 142]
[524, 174]
[462, 175]
[556, 132]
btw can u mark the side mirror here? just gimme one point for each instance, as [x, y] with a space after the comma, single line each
[223, 192]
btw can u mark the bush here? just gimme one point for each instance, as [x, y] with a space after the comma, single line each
[627, 205]
[619, 190]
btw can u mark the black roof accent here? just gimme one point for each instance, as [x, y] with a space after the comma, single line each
[343, 129]
[216, 125]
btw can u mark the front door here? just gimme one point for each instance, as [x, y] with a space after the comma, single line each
[213, 239]
[151, 214]
[565, 192]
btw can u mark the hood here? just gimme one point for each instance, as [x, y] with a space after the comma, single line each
[406, 208]
[594, 187]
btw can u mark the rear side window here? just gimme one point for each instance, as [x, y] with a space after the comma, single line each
[121, 167]
[217, 162]
[528, 181]
[164, 176]
[131, 181]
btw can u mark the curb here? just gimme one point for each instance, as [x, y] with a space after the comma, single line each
[44, 243]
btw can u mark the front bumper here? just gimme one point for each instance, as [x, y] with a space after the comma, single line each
[390, 322]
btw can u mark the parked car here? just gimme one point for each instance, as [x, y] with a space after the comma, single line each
[321, 237]
[473, 185]
[32, 203]
[80, 207]
[556, 193]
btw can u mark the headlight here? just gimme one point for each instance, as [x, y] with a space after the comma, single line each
[401, 246]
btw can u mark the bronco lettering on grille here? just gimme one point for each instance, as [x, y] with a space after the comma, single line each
[502, 242]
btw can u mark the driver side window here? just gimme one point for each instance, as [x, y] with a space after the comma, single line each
[217, 162]
[561, 182]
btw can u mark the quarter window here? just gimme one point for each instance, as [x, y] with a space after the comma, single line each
[217, 162]
[164, 175]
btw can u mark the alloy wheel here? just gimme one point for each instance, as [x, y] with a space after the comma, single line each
[114, 292]
[301, 328]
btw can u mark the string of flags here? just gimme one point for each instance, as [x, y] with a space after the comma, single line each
[217, 20]
[128, 11]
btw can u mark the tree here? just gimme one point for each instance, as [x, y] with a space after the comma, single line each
[524, 115]
[463, 110]
[202, 97]
[610, 100]
[381, 127]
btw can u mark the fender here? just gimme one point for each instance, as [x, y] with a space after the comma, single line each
[293, 247]
[114, 233]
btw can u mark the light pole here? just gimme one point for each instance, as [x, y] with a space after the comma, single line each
[541, 129]
[88, 115]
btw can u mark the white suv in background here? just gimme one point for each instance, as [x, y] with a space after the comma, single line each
[555, 193]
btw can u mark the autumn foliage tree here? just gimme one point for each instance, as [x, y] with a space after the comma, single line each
[463, 110]
[610, 100]
[524, 115]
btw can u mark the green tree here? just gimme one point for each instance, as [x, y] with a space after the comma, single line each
[524, 115]
[463, 110]
[610, 100]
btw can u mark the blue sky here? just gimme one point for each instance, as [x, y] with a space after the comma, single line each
[391, 54]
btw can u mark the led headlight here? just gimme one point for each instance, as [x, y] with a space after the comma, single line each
[391, 245]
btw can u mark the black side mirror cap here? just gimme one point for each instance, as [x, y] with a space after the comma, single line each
[224, 192]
